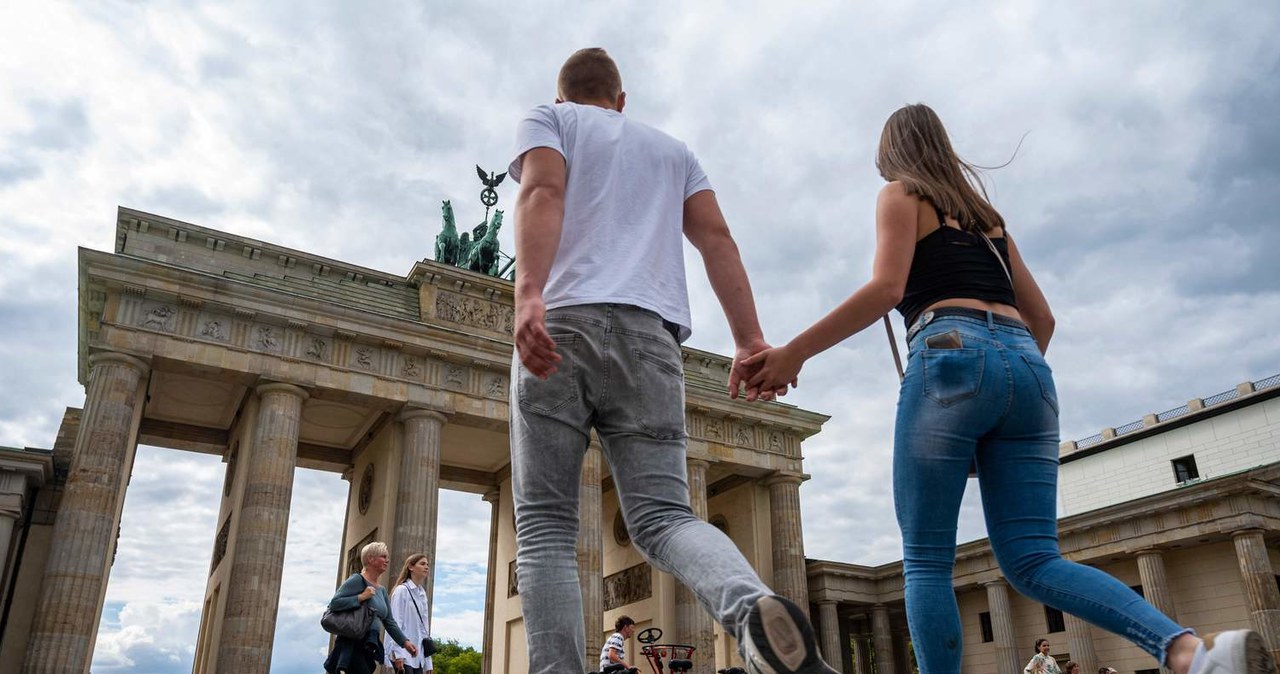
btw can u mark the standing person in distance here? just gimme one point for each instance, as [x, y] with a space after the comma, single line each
[978, 390]
[1042, 662]
[352, 656]
[615, 648]
[601, 309]
[410, 610]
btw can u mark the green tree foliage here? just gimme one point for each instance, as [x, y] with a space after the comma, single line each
[452, 658]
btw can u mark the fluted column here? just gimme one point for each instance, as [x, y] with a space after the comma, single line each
[829, 623]
[862, 654]
[1155, 583]
[84, 533]
[902, 650]
[1002, 628]
[591, 551]
[253, 585]
[13, 491]
[693, 623]
[418, 493]
[491, 578]
[1259, 587]
[788, 541]
[1080, 642]
[883, 639]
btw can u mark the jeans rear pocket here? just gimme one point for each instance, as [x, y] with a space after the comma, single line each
[550, 395]
[1044, 377]
[661, 388]
[952, 375]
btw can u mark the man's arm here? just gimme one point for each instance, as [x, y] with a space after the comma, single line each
[706, 229]
[539, 220]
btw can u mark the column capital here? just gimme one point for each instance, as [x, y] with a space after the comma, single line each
[783, 478]
[1147, 552]
[491, 496]
[1242, 533]
[697, 463]
[280, 387]
[998, 582]
[105, 357]
[826, 602]
[422, 413]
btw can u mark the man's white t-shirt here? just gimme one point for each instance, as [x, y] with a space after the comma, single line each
[625, 187]
[615, 643]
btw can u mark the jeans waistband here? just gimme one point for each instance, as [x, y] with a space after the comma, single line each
[963, 312]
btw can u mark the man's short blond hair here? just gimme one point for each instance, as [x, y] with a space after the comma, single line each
[372, 550]
[589, 75]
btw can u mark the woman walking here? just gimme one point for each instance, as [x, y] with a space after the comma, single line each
[409, 608]
[360, 656]
[977, 391]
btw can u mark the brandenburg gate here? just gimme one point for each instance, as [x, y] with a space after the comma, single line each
[195, 339]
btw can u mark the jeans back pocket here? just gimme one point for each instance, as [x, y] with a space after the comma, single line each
[661, 388]
[550, 395]
[1044, 377]
[952, 375]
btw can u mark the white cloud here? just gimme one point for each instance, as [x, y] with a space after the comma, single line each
[1141, 198]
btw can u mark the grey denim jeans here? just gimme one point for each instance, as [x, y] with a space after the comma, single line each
[622, 374]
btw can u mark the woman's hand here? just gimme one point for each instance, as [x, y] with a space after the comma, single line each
[368, 592]
[408, 646]
[398, 663]
[774, 368]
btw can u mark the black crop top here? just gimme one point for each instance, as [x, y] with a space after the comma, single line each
[952, 263]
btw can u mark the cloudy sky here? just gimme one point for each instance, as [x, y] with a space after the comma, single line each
[1143, 198]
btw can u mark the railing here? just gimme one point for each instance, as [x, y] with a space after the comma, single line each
[1215, 399]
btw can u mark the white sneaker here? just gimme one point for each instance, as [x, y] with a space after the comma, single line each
[1232, 652]
[779, 640]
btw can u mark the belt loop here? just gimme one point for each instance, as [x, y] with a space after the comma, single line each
[991, 321]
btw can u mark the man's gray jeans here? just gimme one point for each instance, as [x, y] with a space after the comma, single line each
[621, 373]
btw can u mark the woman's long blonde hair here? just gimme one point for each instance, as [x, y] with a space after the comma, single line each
[408, 564]
[915, 150]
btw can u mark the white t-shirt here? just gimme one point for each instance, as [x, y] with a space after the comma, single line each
[626, 184]
[615, 643]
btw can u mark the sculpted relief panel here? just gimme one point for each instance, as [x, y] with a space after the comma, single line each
[472, 311]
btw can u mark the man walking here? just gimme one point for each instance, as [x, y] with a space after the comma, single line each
[601, 309]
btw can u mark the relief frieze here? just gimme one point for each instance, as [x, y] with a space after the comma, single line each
[472, 311]
[628, 586]
[158, 317]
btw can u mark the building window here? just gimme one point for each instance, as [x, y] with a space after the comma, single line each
[984, 622]
[1053, 619]
[1184, 469]
[1138, 589]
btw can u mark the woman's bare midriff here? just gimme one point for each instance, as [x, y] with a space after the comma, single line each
[980, 305]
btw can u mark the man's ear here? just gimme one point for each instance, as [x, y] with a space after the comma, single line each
[622, 101]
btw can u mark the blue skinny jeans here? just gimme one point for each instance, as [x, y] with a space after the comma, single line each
[992, 403]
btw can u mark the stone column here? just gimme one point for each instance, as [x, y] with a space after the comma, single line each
[84, 533]
[418, 493]
[846, 648]
[883, 639]
[902, 650]
[1259, 587]
[253, 585]
[13, 491]
[491, 581]
[788, 541]
[829, 623]
[591, 551]
[862, 653]
[693, 623]
[1002, 628]
[1080, 642]
[1155, 584]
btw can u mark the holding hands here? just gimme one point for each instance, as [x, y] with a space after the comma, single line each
[773, 369]
[749, 361]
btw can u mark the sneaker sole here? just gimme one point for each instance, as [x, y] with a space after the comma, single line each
[785, 639]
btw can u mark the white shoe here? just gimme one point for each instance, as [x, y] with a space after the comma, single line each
[1232, 652]
[779, 640]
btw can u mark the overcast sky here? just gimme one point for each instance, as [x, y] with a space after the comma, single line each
[1143, 198]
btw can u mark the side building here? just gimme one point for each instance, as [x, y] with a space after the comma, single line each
[1181, 505]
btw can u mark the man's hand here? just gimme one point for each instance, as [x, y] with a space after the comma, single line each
[368, 592]
[773, 368]
[534, 344]
[741, 373]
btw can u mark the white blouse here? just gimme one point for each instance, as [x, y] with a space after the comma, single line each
[405, 598]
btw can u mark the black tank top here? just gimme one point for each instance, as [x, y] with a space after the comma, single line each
[951, 263]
